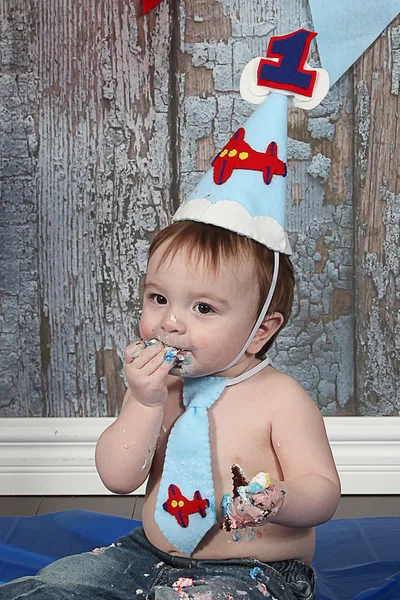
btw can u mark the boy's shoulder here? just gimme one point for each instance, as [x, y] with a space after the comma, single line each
[279, 380]
[285, 392]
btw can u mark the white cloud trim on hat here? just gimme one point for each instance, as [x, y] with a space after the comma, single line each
[233, 216]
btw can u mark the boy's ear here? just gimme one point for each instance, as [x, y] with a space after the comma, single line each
[271, 324]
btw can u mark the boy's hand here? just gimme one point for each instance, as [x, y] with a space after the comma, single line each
[146, 370]
[254, 510]
[252, 503]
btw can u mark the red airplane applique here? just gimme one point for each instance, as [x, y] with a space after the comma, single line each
[237, 154]
[180, 507]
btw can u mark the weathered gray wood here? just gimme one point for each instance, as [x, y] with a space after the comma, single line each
[98, 147]
[20, 356]
[99, 76]
[318, 343]
[217, 39]
[377, 201]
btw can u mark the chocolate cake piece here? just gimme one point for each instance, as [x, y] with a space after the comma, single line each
[239, 479]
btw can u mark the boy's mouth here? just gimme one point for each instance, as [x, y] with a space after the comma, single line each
[180, 356]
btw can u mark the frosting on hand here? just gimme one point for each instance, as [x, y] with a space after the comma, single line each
[180, 357]
[252, 503]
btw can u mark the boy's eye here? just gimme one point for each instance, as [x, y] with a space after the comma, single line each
[203, 309]
[158, 299]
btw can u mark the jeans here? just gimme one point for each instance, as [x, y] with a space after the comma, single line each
[133, 569]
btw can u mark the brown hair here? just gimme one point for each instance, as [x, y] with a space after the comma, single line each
[213, 244]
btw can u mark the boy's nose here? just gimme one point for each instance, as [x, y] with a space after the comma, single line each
[171, 323]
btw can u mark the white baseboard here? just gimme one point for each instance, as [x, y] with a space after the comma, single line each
[55, 456]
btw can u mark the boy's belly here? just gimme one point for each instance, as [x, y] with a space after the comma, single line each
[272, 542]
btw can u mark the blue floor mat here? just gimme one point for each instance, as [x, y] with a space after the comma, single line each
[355, 559]
[358, 559]
[29, 543]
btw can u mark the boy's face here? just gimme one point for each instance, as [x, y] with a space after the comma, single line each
[210, 316]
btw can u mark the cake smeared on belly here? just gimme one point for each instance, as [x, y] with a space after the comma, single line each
[252, 503]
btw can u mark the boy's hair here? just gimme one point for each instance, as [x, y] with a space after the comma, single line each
[212, 244]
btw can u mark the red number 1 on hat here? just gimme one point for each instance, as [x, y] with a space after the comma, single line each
[288, 72]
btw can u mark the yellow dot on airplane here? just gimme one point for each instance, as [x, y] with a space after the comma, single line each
[224, 152]
[174, 504]
[181, 503]
[243, 155]
[232, 153]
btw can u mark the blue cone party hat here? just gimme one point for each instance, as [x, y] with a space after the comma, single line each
[245, 188]
[244, 191]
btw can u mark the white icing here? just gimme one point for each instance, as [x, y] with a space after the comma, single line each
[262, 478]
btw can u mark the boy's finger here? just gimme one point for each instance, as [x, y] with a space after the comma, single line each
[142, 356]
[132, 351]
[158, 363]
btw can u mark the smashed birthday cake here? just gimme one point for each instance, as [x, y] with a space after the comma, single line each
[252, 503]
[179, 356]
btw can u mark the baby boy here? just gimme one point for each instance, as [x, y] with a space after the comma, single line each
[205, 415]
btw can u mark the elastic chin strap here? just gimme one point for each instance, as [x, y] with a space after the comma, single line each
[260, 319]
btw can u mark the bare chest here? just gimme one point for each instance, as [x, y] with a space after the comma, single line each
[239, 432]
[240, 425]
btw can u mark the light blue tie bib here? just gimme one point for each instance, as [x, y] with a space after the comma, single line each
[185, 508]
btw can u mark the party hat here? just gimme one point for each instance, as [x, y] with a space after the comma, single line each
[245, 188]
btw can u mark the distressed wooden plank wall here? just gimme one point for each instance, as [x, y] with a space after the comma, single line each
[377, 205]
[317, 347]
[107, 120]
[86, 182]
